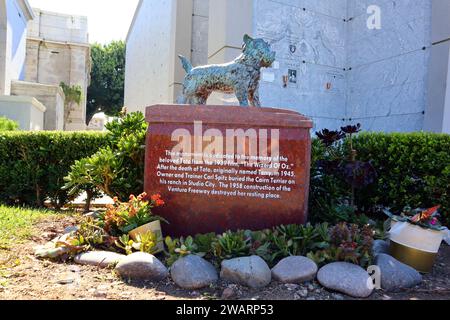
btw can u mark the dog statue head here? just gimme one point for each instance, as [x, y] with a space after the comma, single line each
[259, 50]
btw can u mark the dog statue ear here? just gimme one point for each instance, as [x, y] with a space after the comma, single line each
[247, 38]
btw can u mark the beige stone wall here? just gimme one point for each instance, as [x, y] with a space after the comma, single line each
[58, 27]
[52, 97]
[58, 51]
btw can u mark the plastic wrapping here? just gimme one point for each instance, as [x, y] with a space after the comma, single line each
[447, 236]
[417, 237]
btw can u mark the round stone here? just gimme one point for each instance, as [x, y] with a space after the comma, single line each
[142, 266]
[251, 271]
[193, 272]
[295, 270]
[396, 275]
[102, 259]
[346, 278]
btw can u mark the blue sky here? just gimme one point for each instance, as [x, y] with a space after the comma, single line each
[108, 19]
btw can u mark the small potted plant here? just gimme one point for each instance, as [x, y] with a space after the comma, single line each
[416, 236]
[135, 217]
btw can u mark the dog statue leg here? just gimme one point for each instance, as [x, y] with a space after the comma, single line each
[182, 99]
[253, 97]
[242, 96]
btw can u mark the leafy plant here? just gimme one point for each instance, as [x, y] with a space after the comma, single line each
[148, 242]
[179, 248]
[204, 243]
[123, 217]
[89, 236]
[231, 245]
[125, 243]
[337, 175]
[348, 243]
[298, 240]
[118, 169]
[260, 244]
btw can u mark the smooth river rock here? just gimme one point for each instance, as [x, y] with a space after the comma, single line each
[251, 271]
[193, 272]
[295, 270]
[102, 259]
[142, 266]
[396, 275]
[346, 278]
[379, 247]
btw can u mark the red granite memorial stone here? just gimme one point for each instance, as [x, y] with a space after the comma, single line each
[224, 168]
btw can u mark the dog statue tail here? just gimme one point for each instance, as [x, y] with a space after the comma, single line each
[186, 64]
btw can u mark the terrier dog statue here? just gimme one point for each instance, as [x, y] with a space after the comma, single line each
[240, 76]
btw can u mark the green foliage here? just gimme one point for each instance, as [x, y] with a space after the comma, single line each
[91, 235]
[204, 243]
[106, 91]
[298, 240]
[231, 245]
[343, 242]
[74, 94]
[33, 164]
[8, 125]
[125, 243]
[16, 224]
[123, 217]
[117, 170]
[179, 248]
[347, 243]
[413, 170]
[148, 242]
[329, 196]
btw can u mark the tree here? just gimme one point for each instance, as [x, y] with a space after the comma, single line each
[105, 94]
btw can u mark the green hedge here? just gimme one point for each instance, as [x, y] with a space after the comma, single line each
[413, 170]
[33, 165]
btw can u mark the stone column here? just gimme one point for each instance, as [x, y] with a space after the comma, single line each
[437, 117]
[229, 21]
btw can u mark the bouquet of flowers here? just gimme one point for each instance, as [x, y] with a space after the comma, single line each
[425, 218]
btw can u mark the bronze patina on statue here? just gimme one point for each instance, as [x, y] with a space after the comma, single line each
[240, 76]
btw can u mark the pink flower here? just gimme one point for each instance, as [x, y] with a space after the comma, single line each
[434, 221]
